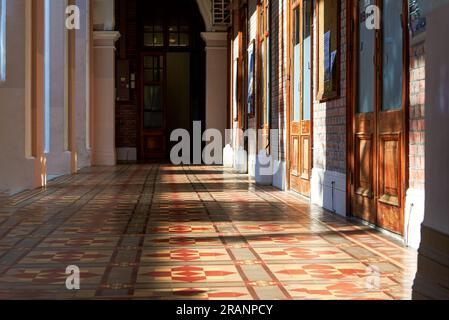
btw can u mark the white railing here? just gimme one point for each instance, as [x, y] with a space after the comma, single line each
[221, 12]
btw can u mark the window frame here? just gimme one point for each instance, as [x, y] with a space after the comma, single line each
[323, 92]
[263, 81]
[263, 35]
[161, 24]
[2, 41]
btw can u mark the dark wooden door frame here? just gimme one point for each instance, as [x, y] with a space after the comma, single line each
[292, 5]
[149, 132]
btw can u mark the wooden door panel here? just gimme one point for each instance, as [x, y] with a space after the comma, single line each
[390, 169]
[301, 119]
[378, 173]
[363, 202]
[305, 158]
[364, 161]
[390, 218]
[294, 167]
[153, 146]
[390, 188]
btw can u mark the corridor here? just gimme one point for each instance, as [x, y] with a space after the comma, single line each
[165, 232]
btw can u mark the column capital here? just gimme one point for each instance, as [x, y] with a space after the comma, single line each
[215, 39]
[105, 39]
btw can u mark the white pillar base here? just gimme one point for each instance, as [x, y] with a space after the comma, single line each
[241, 161]
[228, 157]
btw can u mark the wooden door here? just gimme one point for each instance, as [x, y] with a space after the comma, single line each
[153, 107]
[379, 173]
[301, 114]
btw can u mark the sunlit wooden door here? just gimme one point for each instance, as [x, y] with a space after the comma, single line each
[301, 113]
[378, 179]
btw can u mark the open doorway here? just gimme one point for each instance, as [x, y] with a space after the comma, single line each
[162, 58]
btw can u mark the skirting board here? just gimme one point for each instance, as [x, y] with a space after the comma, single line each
[279, 176]
[241, 161]
[228, 156]
[252, 166]
[328, 190]
[414, 217]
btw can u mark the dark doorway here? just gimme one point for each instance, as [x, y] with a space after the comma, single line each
[164, 47]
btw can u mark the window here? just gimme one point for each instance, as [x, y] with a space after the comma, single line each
[47, 59]
[263, 70]
[179, 34]
[392, 64]
[264, 64]
[154, 35]
[328, 49]
[2, 40]
[166, 25]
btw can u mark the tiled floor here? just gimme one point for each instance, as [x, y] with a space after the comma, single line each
[163, 232]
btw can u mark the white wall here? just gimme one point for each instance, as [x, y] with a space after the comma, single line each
[104, 15]
[16, 171]
[437, 120]
[58, 158]
[81, 78]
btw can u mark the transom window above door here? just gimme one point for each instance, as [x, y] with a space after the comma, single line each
[166, 26]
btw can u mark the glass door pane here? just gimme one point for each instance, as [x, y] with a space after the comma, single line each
[297, 67]
[153, 95]
[366, 68]
[307, 60]
[392, 62]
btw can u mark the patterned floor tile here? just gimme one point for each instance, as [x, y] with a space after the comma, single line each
[185, 255]
[164, 232]
[189, 274]
[188, 293]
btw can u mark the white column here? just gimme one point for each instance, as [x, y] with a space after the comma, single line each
[433, 263]
[16, 164]
[81, 92]
[216, 80]
[104, 153]
[58, 158]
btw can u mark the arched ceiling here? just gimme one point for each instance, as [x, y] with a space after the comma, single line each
[205, 7]
[104, 15]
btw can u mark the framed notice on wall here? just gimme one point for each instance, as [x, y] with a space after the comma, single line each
[251, 79]
[328, 49]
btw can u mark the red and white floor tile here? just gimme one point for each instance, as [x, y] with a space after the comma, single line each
[164, 232]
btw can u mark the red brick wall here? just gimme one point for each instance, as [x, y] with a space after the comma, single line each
[417, 121]
[278, 72]
[329, 118]
[126, 125]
